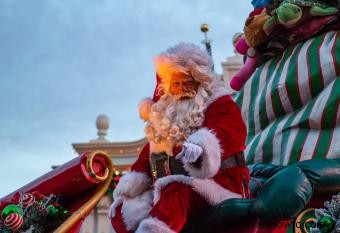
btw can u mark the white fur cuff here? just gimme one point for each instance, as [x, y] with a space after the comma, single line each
[153, 225]
[136, 209]
[117, 202]
[211, 157]
[131, 185]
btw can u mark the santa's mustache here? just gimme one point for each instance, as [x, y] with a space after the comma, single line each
[184, 95]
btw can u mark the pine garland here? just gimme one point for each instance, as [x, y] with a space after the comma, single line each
[329, 217]
[33, 213]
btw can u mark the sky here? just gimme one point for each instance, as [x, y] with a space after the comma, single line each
[64, 62]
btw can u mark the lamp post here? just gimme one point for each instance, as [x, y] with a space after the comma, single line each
[207, 42]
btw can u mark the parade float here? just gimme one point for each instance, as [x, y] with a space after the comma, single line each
[289, 94]
[60, 200]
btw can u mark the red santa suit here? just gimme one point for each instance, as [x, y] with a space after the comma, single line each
[166, 204]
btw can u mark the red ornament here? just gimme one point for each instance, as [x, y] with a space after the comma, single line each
[14, 222]
[27, 199]
[116, 179]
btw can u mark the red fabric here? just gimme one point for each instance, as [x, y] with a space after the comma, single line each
[142, 163]
[177, 204]
[118, 222]
[235, 179]
[255, 12]
[76, 227]
[224, 117]
[157, 93]
[309, 28]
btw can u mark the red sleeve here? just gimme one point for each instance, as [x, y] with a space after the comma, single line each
[142, 163]
[224, 118]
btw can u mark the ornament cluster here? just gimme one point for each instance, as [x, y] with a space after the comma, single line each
[329, 218]
[114, 182]
[34, 213]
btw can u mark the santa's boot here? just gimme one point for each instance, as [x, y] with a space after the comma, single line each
[174, 206]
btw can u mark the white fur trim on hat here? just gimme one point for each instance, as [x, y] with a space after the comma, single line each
[211, 157]
[153, 225]
[131, 185]
[136, 209]
[145, 108]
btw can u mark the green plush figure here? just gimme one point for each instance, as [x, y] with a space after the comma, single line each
[291, 13]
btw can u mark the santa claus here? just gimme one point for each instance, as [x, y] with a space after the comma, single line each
[193, 158]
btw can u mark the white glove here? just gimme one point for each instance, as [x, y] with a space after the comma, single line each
[190, 152]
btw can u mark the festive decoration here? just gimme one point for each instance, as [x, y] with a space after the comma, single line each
[291, 13]
[33, 213]
[13, 222]
[27, 199]
[329, 218]
[116, 177]
[327, 224]
[9, 210]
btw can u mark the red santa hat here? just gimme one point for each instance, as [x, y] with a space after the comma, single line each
[145, 104]
[185, 58]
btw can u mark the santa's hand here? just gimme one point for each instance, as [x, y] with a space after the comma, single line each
[190, 152]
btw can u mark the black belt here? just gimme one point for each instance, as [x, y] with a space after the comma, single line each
[163, 165]
[237, 160]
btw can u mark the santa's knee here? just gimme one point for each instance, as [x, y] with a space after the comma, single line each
[117, 221]
[126, 216]
[173, 190]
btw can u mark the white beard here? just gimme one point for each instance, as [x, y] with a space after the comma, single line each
[171, 122]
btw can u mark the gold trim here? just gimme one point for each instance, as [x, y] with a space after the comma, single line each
[299, 218]
[90, 170]
[85, 209]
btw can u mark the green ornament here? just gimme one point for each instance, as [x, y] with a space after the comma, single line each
[326, 224]
[12, 208]
[65, 212]
[52, 210]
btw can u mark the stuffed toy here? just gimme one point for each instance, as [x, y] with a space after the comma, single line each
[238, 80]
[253, 36]
[253, 29]
[243, 74]
[291, 13]
[260, 3]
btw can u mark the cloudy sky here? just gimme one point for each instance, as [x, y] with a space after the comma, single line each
[64, 62]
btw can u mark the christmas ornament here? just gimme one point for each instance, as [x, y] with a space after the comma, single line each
[27, 199]
[13, 222]
[52, 210]
[114, 183]
[9, 209]
[116, 179]
[329, 218]
[34, 212]
[42, 210]
[326, 224]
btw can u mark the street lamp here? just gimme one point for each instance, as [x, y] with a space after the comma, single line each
[207, 42]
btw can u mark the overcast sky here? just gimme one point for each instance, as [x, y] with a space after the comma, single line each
[64, 62]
